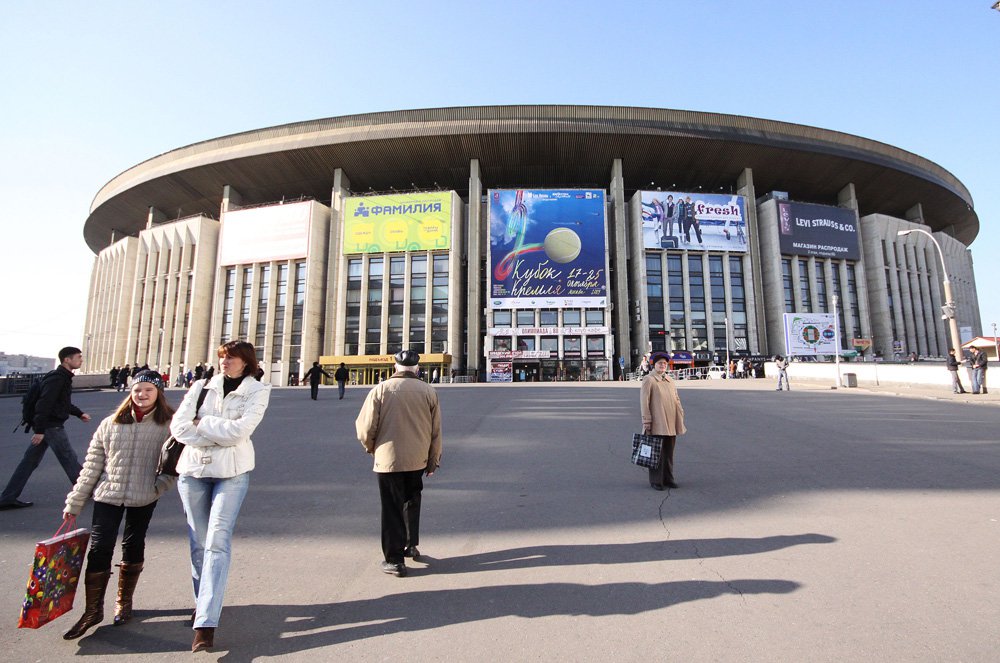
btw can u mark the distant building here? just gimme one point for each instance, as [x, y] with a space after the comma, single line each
[25, 364]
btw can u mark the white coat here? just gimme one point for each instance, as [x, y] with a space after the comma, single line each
[220, 445]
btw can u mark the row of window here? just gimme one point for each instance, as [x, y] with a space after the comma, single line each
[242, 279]
[571, 345]
[548, 318]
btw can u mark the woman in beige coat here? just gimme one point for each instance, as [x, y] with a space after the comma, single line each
[663, 416]
[119, 473]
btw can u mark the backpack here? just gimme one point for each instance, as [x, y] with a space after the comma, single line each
[28, 402]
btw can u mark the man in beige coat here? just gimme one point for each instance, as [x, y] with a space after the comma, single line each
[400, 425]
[662, 415]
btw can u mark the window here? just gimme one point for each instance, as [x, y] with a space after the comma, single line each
[595, 318]
[696, 286]
[786, 280]
[227, 306]
[418, 303]
[678, 316]
[280, 301]
[548, 318]
[397, 284]
[526, 343]
[824, 306]
[571, 318]
[595, 346]
[352, 320]
[654, 302]
[550, 344]
[373, 328]
[737, 294]
[525, 318]
[502, 343]
[571, 346]
[804, 291]
[298, 307]
[439, 305]
[502, 318]
[260, 334]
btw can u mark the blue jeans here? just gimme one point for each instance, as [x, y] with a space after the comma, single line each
[783, 377]
[978, 380]
[54, 437]
[340, 388]
[211, 506]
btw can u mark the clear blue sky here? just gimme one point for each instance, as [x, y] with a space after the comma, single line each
[90, 89]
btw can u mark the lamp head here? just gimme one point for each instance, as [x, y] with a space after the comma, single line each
[903, 233]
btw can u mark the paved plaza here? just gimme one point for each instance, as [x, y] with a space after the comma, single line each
[812, 525]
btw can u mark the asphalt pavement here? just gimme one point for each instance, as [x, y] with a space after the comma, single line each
[818, 524]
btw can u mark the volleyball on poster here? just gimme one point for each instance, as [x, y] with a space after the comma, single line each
[548, 248]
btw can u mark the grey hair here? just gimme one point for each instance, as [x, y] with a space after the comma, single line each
[408, 369]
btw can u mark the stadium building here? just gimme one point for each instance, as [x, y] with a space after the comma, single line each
[526, 243]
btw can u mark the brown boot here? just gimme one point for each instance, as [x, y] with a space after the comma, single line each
[95, 585]
[127, 579]
[204, 638]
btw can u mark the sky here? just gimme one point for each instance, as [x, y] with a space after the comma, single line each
[88, 90]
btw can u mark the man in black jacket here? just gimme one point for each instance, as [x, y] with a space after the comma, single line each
[953, 366]
[341, 375]
[51, 412]
[314, 374]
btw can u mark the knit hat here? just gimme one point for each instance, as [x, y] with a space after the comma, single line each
[657, 356]
[407, 358]
[149, 376]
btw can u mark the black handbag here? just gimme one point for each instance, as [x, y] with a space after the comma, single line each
[171, 451]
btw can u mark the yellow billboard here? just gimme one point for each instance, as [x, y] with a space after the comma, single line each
[401, 222]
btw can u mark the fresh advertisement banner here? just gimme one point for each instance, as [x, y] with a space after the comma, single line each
[818, 230]
[810, 334]
[263, 234]
[403, 222]
[547, 248]
[695, 221]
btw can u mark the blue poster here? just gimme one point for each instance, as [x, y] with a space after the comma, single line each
[547, 249]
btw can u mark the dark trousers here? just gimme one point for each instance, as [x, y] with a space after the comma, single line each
[55, 438]
[400, 492]
[314, 390]
[340, 387]
[104, 532]
[664, 474]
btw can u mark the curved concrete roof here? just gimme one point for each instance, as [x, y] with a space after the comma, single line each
[531, 146]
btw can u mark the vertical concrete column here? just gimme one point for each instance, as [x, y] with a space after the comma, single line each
[618, 295]
[797, 276]
[916, 214]
[916, 298]
[935, 278]
[813, 292]
[458, 287]
[317, 277]
[272, 298]
[336, 270]
[363, 308]
[231, 199]
[895, 287]
[928, 291]
[204, 270]
[169, 275]
[906, 298]
[637, 304]
[154, 217]
[474, 259]
[753, 283]
[686, 280]
[877, 283]
[847, 197]
[148, 296]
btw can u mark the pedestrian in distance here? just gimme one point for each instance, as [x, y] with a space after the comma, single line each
[214, 470]
[953, 366]
[662, 416]
[119, 473]
[53, 408]
[979, 365]
[341, 375]
[782, 365]
[123, 378]
[400, 425]
[315, 375]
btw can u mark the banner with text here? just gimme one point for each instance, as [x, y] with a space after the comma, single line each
[810, 334]
[818, 230]
[696, 221]
[403, 222]
[547, 249]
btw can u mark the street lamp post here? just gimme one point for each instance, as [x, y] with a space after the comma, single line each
[996, 344]
[836, 337]
[725, 321]
[950, 308]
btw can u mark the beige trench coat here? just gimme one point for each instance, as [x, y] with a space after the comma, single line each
[662, 413]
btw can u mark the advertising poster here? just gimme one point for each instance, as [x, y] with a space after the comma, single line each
[695, 221]
[818, 230]
[547, 249]
[810, 334]
[262, 234]
[501, 371]
[403, 222]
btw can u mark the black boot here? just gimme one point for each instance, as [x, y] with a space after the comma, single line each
[127, 579]
[95, 585]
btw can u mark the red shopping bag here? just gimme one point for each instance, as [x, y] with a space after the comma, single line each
[54, 576]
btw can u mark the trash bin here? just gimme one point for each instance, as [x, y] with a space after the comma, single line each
[850, 379]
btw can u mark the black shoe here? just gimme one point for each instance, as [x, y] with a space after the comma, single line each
[398, 570]
[15, 504]
[411, 552]
[670, 484]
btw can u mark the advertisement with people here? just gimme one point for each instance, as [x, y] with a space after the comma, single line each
[402, 222]
[818, 230]
[694, 221]
[810, 334]
[547, 248]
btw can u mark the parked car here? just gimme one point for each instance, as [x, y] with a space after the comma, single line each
[716, 373]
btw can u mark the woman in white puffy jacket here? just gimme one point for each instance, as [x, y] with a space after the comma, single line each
[214, 471]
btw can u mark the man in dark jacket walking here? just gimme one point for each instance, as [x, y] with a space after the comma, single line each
[314, 374]
[52, 410]
[341, 375]
[979, 363]
[953, 365]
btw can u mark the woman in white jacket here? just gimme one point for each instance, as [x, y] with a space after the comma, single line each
[119, 473]
[214, 471]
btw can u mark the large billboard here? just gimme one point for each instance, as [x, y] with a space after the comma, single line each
[696, 221]
[262, 234]
[401, 222]
[818, 230]
[810, 334]
[547, 248]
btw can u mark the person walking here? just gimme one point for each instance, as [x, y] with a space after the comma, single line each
[314, 374]
[400, 425]
[53, 408]
[214, 471]
[953, 366]
[979, 364]
[662, 416]
[119, 473]
[123, 377]
[341, 375]
[782, 365]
